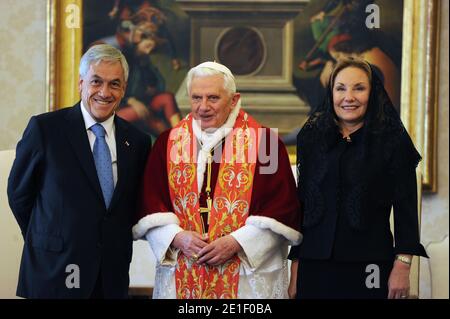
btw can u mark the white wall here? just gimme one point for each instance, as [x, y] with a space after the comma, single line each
[435, 208]
[22, 66]
[11, 242]
[22, 90]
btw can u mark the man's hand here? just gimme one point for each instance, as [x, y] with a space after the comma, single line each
[219, 251]
[190, 243]
[399, 281]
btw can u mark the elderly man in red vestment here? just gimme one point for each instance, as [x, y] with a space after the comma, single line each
[219, 204]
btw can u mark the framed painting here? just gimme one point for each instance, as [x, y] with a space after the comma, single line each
[280, 51]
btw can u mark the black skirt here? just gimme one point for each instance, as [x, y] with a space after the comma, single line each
[329, 279]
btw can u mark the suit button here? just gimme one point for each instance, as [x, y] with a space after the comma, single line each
[99, 245]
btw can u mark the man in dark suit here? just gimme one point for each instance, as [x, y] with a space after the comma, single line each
[73, 188]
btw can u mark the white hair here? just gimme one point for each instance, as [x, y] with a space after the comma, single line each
[201, 71]
[102, 52]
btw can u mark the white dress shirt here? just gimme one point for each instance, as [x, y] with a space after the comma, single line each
[110, 136]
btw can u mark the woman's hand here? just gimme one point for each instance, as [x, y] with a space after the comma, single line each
[398, 283]
[292, 290]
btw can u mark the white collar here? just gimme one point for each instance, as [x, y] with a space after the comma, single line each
[208, 140]
[89, 121]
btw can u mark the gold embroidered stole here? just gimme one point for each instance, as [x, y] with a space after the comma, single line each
[231, 202]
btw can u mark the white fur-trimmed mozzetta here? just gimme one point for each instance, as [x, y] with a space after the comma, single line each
[151, 221]
[263, 222]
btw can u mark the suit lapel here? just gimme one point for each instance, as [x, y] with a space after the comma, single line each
[76, 132]
[124, 148]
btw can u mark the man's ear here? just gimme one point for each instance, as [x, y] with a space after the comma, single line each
[235, 99]
[80, 83]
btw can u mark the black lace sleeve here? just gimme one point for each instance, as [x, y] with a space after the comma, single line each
[294, 253]
[406, 227]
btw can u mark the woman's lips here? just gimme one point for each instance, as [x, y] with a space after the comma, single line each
[349, 107]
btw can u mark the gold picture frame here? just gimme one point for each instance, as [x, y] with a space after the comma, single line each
[419, 90]
[419, 71]
[64, 50]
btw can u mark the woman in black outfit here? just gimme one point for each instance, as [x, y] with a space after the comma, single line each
[355, 162]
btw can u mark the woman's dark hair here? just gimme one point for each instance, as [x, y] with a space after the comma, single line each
[382, 123]
[381, 116]
[347, 63]
[381, 136]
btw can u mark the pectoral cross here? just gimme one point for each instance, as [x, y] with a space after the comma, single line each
[204, 214]
[206, 211]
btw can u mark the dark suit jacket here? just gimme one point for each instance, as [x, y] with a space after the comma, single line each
[55, 195]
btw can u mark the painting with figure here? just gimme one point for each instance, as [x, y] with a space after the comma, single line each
[281, 53]
[328, 30]
[147, 32]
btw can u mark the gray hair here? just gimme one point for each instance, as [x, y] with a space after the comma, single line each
[200, 71]
[102, 52]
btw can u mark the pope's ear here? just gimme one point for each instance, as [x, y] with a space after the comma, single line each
[235, 99]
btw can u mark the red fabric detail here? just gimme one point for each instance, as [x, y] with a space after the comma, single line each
[273, 195]
[155, 197]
